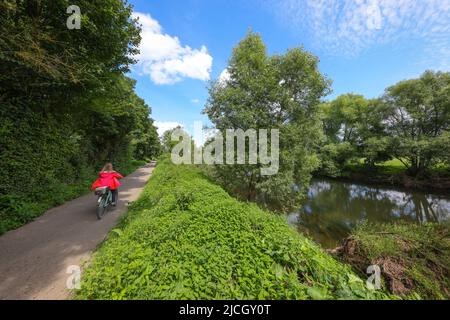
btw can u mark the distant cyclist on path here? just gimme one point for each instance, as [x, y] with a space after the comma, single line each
[108, 178]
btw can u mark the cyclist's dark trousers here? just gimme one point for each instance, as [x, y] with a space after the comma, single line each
[115, 194]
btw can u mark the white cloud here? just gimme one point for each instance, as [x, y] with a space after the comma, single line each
[165, 59]
[195, 101]
[224, 76]
[347, 27]
[164, 126]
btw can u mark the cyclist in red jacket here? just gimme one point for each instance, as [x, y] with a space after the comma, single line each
[108, 178]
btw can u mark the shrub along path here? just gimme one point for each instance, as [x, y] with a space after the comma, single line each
[34, 259]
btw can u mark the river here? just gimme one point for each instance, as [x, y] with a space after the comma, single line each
[334, 208]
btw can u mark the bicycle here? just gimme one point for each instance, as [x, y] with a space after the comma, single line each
[104, 201]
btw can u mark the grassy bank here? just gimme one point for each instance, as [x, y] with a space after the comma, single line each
[394, 173]
[186, 238]
[414, 259]
[18, 210]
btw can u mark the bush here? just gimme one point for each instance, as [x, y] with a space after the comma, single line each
[186, 238]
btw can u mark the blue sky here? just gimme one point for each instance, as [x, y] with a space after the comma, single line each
[363, 45]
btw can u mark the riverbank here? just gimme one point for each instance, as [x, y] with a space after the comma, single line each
[186, 238]
[334, 208]
[414, 259]
[393, 174]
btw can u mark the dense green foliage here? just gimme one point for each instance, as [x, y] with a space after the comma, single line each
[186, 238]
[409, 123]
[270, 92]
[66, 105]
[166, 140]
[415, 259]
[417, 116]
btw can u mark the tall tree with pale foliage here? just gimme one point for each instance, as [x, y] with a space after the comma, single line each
[270, 92]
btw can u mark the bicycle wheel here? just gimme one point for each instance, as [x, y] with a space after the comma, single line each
[101, 208]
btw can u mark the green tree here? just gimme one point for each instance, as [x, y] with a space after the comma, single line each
[354, 129]
[65, 102]
[417, 117]
[270, 92]
[166, 140]
[46, 63]
[343, 118]
[344, 124]
[146, 141]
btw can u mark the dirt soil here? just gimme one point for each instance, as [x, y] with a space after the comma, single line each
[393, 270]
[35, 258]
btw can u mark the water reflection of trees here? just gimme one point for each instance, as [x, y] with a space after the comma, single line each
[334, 208]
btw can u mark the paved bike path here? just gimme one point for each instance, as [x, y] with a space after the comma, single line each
[34, 258]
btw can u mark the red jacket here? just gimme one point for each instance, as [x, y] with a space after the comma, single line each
[107, 179]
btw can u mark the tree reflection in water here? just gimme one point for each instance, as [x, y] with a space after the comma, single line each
[334, 208]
